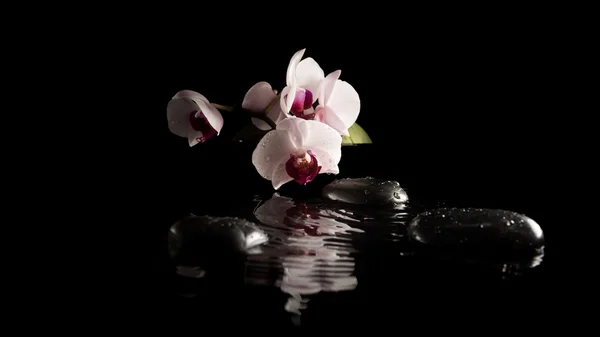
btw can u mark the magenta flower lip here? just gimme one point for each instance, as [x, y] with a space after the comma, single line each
[305, 121]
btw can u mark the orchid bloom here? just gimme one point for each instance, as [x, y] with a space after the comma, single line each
[303, 82]
[192, 116]
[261, 98]
[297, 150]
[339, 103]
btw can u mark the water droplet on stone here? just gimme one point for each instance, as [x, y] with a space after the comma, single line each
[479, 232]
[354, 190]
[205, 241]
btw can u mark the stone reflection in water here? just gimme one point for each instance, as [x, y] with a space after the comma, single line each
[197, 243]
[307, 253]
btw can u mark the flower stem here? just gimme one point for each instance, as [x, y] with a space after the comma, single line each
[222, 107]
[275, 100]
[262, 115]
[266, 119]
[270, 122]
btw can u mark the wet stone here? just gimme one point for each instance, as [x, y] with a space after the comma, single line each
[496, 232]
[204, 240]
[365, 191]
[190, 271]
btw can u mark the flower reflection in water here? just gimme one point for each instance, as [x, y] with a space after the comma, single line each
[308, 253]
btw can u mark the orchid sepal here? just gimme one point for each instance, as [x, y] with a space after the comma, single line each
[193, 116]
[297, 150]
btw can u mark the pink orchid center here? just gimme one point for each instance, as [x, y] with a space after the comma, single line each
[302, 166]
[302, 101]
[319, 114]
[198, 122]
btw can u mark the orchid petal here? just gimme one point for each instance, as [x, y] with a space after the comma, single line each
[274, 113]
[284, 99]
[328, 161]
[280, 176]
[345, 102]
[291, 96]
[309, 76]
[330, 118]
[324, 141]
[260, 124]
[212, 115]
[328, 85]
[194, 137]
[297, 128]
[290, 78]
[178, 115]
[258, 97]
[272, 151]
[319, 137]
[189, 94]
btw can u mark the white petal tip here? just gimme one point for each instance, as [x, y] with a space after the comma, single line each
[277, 183]
[193, 141]
[276, 187]
[333, 171]
[260, 124]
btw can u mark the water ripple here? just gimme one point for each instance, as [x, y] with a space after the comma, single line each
[312, 245]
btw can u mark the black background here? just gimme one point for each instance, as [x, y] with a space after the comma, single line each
[467, 101]
[460, 106]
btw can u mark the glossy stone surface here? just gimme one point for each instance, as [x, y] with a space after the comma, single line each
[200, 240]
[483, 230]
[365, 191]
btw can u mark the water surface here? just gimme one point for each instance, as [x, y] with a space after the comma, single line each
[329, 260]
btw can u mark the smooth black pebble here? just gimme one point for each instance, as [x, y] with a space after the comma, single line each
[482, 230]
[207, 241]
[365, 191]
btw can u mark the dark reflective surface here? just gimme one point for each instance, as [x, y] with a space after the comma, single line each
[482, 231]
[338, 264]
[365, 191]
[204, 242]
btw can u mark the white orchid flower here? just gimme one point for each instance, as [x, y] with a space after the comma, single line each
[303, 82]
[297, 150]
[339, 103]
[192, 116]
[261, 98]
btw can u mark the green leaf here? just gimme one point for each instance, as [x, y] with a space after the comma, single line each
[358, 135]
